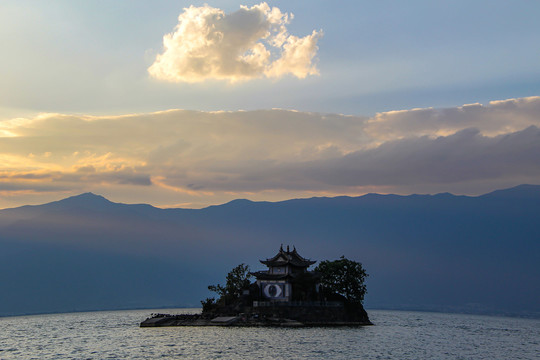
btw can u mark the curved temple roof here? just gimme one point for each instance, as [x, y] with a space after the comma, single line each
[288, 257]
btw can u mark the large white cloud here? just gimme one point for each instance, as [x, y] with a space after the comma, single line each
[210, 157]
[250, 43]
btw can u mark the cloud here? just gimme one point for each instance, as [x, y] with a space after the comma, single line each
[250, 43]
[456, 159]
[464, 156]
[498, 117]
[181, 156]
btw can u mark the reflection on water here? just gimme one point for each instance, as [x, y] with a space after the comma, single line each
[396, 335]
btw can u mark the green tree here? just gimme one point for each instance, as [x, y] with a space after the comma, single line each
[344, 277]
[208, 305]
[237, 280]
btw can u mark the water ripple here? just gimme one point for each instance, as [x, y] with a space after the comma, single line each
[397, 335]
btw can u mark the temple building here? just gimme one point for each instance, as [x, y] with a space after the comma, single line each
[287, 278]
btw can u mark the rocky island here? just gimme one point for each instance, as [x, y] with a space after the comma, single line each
[287, 294]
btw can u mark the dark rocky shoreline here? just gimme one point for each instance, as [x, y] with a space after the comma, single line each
[271, 316]
[162, 320]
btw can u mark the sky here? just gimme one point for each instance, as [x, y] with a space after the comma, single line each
[190, 104]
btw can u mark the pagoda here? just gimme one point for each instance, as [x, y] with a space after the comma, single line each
[285, 271]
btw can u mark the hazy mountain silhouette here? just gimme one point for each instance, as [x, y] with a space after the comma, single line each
[429, 252]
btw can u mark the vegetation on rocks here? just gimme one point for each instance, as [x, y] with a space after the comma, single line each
[343, 277]
[237, 280]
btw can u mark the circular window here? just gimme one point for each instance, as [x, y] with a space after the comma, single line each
[273, 290]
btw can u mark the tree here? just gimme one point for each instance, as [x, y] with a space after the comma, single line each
[344, 277]
[208, 305]
[237, 280]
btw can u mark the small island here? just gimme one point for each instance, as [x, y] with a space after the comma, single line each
[287, 294]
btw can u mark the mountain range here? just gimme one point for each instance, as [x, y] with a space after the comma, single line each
[439, 252]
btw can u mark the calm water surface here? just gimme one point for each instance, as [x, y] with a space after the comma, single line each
[396, 335]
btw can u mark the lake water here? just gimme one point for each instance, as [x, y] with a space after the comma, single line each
[396, 335]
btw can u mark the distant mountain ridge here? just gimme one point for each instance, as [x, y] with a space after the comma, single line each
[90, 199]
[427, 252]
